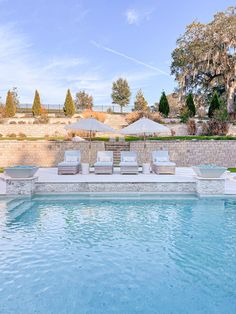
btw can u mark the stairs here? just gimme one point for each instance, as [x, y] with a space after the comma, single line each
[116, 148]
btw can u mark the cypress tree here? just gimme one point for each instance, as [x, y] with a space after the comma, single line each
[69, 107]
[10, 105]
[140, 103]
[37, 107]
[190, 105]
[214, 104]
[164, 105]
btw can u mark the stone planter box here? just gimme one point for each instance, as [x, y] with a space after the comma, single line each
[21, 171]
[209, 171]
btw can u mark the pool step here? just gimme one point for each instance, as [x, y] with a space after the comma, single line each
[19, 209]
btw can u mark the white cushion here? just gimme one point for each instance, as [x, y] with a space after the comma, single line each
[129, 159]
[103, 164]
[105, 159]
[164, 163]
[66, 163]
[161, 159]
[127, 164]
[71, 158]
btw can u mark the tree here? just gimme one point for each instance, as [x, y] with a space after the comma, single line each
[214, 105]
[15, 96]
[69, 107]
[36, 108]
[164, 105]
[140, 103]
[190, 105]
[121, 93]
[205, 57]
[10, 106]
[83, 101]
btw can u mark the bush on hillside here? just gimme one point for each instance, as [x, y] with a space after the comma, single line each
[136, 115]
[100, 116]
[191, 127]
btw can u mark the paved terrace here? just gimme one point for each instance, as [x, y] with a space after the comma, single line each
[183, 175]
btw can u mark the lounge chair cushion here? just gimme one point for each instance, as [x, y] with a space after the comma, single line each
[71, 158]
[66, 163]
[131, 163]
[103, 164]
[157, 159]
[105, 159]
[129, 159]
[164, 163]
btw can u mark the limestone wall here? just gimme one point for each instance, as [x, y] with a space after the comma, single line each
[188, 153]
[43, 153]
[184, 153]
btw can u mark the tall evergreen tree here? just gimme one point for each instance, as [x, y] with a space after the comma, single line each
[10, 105]
[69, 107]
[190, 105]
[37, 107]
[140, 103]
[121, 93]
[164, 105]
[214, 104]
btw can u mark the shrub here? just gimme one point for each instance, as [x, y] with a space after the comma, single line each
[190, 105]
[22, 135]
[136, 115]
[69, 106]
[164, 105]
[21, 122]
[82, 134]
[109, 110]
[1, 135]
[36, 105]
[191, 127]
[2, 111]
[13, 135]
[184, 114]
[100, 116]
[214, 104]
[216, 127]
[205, 129]
[12, 122]
[10, 105]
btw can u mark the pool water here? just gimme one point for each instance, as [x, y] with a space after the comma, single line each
[85, 255]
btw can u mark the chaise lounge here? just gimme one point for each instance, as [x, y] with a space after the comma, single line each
[71, 163]
[161, 163]
[128, 163]
[104, 164]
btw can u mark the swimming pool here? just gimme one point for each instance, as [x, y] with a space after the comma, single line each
[101, 255]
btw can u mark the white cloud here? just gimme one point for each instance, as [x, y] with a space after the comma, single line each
[135, 17]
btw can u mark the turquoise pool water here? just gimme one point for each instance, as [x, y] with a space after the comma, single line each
[117, 256]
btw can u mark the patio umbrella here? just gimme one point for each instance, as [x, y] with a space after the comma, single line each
[144, 126]
[90, 125]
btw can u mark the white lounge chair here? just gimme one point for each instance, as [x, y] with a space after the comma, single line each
[71, 163]
[161, 163]
[104, 164]
[128, 163]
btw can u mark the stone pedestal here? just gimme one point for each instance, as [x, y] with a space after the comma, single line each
[207, 186]
[20, 186]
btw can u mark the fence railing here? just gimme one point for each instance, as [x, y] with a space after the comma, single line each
[58, 109]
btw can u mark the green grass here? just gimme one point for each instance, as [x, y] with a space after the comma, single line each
[181, 138]
[1, 170]
[232, 169]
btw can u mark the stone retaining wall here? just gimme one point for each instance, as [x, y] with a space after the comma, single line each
[184, 153]
[43, 153]
[189, 153]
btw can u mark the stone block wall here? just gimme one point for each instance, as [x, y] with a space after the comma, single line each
[189, 153]
[44, 153]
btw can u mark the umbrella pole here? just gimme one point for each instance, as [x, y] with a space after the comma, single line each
[90, 142]
[145, 145]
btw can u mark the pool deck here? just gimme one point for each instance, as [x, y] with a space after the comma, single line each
[183, 175]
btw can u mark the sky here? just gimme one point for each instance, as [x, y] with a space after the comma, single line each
[53, 45]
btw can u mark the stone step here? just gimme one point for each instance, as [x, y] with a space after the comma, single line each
[116, 148]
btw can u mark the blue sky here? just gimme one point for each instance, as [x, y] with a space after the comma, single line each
[53, 45]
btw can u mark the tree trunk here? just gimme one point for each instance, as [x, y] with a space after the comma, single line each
[230, 98]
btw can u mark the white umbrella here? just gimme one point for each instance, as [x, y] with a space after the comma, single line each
[145, 127]
[90, 125]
